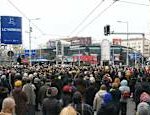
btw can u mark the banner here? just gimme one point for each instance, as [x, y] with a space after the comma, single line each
[11, 30]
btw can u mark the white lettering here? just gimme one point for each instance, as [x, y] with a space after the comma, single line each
[11, 29]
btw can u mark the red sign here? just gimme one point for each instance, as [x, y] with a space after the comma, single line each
[89, 59]
[116, 41]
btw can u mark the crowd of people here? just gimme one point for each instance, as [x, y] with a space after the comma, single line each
[84, 90]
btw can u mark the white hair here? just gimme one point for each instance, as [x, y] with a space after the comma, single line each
[8, 105]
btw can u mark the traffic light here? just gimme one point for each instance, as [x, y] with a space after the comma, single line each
[106, 30]
[19, 60]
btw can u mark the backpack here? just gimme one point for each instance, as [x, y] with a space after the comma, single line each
[125, 94]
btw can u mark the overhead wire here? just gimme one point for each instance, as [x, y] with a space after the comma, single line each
[96, 17]
[135, 3]
[24, 15]
[91, 12]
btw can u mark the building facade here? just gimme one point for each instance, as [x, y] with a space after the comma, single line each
[141, 45]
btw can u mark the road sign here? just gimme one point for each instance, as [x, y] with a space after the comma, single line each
[33, 52]
[10, 53]
[11, 30]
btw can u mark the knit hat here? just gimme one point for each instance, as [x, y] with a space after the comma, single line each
[51, 92]
[143, 108]
[67, 89]
[145, 97]
[107, 98]
[18, 83]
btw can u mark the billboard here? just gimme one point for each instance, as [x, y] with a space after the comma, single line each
[81, 41]
[11, 30]
[117, 41]
[51, 44]
[105, 50]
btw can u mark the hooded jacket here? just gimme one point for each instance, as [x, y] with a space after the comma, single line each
[98, 100]
[124, 87]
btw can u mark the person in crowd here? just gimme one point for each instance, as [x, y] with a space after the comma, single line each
[80, 83]
[98, 99]
[4, 91]
[107, 80]
[37, 83]
[29, 90]
[117, 80]
[107, 107]
[68, 110]
[67, 95]
[125, 94]
[51, 105]
[145, 97]
[20, 98]
[138, 91]
[8, 106]
[116, 95]
[42, 90]
[90, 92]
[143, 108]
[80, 106]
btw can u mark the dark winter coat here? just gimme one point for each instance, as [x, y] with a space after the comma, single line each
[51, 106]
[83, 109]
[90, 94]
[108, 109]
[21, 101]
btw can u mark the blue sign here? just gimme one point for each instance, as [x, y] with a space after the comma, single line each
[135, 55]
[11, 30]
[26, 52]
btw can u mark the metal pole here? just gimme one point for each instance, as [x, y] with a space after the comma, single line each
[79, 56]
[40, 52]
[30, 54]
[127, 52]
[113, 57]
[127, 61]
[135, 59]
[56, 53]
[143, 52]
[30, 30]
[62, 53]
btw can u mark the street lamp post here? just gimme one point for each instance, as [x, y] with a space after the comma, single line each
[127, 55]
[30, 30]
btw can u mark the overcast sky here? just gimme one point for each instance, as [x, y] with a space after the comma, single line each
[59, 18]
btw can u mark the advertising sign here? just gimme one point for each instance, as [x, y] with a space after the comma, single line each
[105, 50]
[81, 41]
[11, 30]
[117, 41]
[51, 44]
